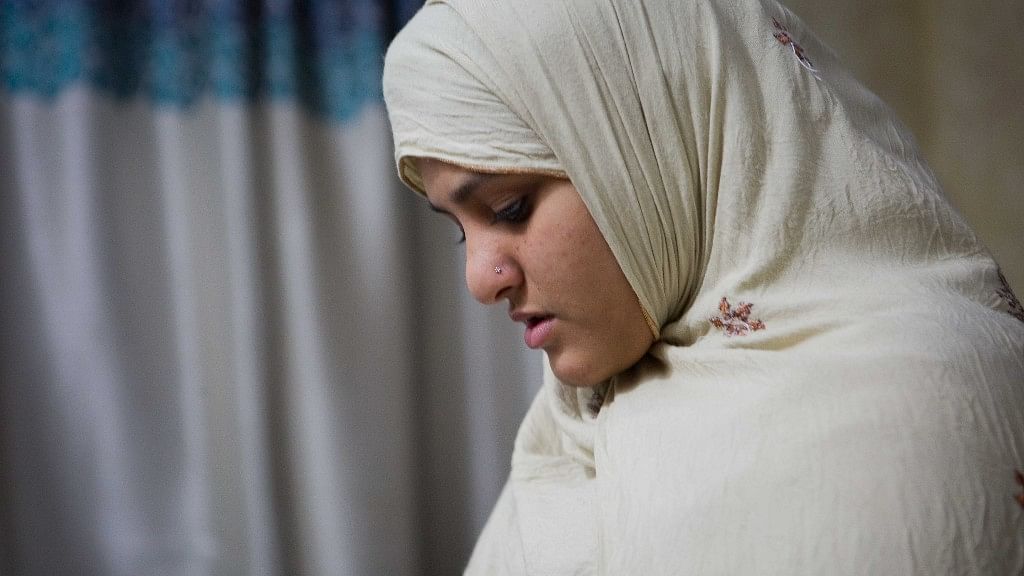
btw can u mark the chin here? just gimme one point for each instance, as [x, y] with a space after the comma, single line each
[576, 372]
[588, 370]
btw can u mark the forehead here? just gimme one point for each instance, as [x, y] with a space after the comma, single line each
[446, 183]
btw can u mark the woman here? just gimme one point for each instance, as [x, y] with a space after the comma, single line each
[773, 347]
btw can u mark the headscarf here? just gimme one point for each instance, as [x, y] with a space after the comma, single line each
[837, 384]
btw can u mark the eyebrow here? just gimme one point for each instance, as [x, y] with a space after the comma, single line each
[463, 191]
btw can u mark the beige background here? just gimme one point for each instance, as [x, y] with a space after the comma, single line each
[954, 71]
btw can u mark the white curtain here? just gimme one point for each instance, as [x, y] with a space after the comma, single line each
[233, 345]
[230, 343]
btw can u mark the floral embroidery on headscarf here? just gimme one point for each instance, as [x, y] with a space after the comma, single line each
[1014, 305]
[1020, 480]
[782, 35]
[735, 322]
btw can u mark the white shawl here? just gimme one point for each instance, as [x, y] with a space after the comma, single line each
[864, 416]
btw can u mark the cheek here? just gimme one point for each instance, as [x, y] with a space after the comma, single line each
[577, 271]
[548, 252]
[570, 250]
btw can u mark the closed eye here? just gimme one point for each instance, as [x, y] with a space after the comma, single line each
[514, 213]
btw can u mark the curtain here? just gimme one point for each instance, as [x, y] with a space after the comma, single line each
[230, 343]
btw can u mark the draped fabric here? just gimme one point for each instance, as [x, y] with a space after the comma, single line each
[948, 69]
[868, 418]
[222, 349]
[228, 345]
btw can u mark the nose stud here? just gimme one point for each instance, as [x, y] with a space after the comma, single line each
[498, 270]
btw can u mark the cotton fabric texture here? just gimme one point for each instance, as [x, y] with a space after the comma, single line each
[871, 424]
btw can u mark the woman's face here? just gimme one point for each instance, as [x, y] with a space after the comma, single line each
[531, 241]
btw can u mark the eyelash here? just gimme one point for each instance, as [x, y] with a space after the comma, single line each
[515, 213]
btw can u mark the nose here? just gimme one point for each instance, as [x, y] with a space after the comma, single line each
[490, 273]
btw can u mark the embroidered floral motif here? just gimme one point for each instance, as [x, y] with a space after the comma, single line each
[1020, 480]
[736, 322]
[782, 35]
[1016, 309]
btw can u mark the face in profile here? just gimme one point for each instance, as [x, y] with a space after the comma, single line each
[531, 242]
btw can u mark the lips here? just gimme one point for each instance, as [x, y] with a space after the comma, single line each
[538, 328]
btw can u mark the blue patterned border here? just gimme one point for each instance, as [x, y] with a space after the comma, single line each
[328, 54]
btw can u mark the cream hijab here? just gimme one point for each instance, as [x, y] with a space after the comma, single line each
[863, 415]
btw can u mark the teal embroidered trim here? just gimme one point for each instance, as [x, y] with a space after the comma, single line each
[327, 54]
